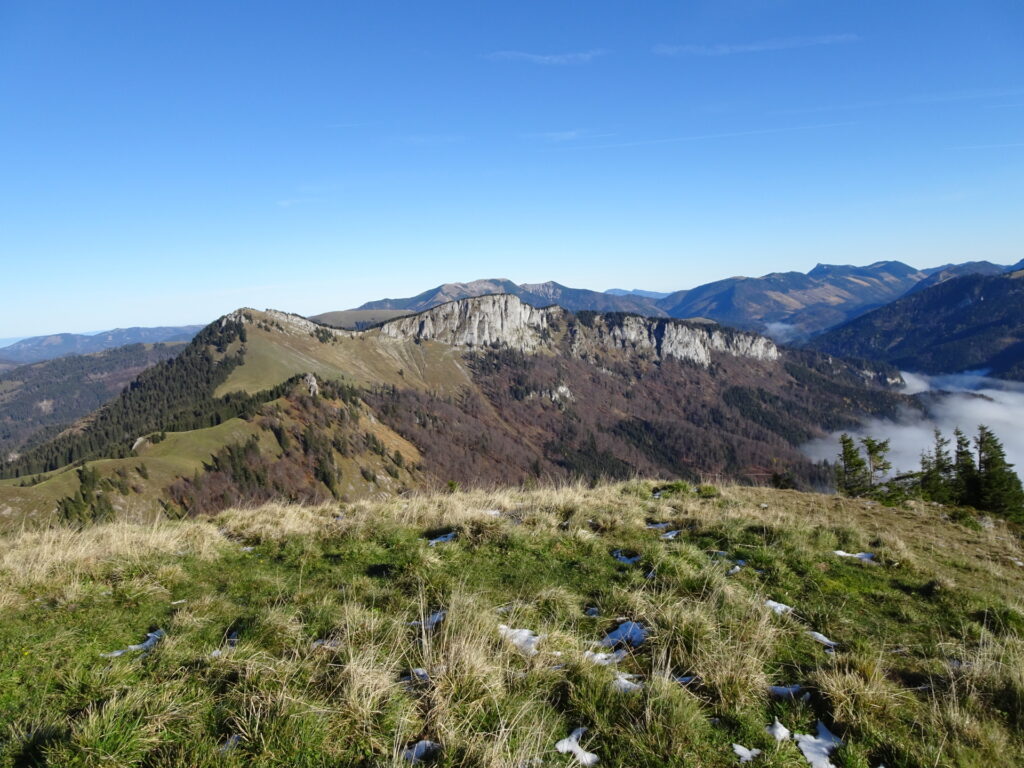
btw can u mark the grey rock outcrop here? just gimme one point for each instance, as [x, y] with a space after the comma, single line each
[479, 322]
[504, 320]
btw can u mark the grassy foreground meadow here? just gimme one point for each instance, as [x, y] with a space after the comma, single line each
[313, 636]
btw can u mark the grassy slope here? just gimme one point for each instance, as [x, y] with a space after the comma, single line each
[941, 609]
[272, 356]
[180, 454]
[352, 318]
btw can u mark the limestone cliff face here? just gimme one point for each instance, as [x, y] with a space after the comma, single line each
[653, 337]
[488, 320]
[506, 321]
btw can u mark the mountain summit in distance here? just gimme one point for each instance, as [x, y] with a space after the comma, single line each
[38, 348]
[789, 306]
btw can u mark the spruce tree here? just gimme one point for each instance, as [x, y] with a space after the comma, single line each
[998, 487]
[937, 471]
[852, 477]
[964, 490]
[877, 465]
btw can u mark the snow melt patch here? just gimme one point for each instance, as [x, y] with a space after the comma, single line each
[745, 755]
[785, 691]
[571, 745]
[623, 683]
[818, 749]
[864, 556]
[604, 659]
[817, 636]
[421, 750]
[147, 645]
[628, 633]
[431, 621]
[525, 640]
[780, 609]
[778, 730]
[670, 535]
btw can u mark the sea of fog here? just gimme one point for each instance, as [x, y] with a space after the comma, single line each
[962, 400]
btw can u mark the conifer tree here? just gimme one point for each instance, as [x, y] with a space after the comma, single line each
[937, 471]
[964, 488]
[998, 487]
[877, 464]
[852, 477]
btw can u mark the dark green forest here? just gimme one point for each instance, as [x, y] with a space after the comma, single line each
[176, 394]
[38, 400]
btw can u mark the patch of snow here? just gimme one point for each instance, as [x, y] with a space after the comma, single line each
[745, 755]
[431, 621]
[818, 749]
[865, 556]
[670, 535]
[147, 645]
[571, 745]
[778, 730]
[416, 675]
[604, 659]
[623, 683]
[658, 526]
[780, 609]
[628, 633]
[622, 558]
[443, 539]
[421, 750]
[231, 642]
[734, 570]
[525, 640]
[829, 644]
[785, 691]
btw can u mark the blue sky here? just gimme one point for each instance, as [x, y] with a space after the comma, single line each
[164, 163]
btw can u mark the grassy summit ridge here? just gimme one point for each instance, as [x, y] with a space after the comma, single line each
[929, 670]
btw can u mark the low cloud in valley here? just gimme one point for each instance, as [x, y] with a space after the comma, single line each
[951, 401]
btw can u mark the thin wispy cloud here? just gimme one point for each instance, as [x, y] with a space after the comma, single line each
[706, 136]
[547, 59]
[759, 46]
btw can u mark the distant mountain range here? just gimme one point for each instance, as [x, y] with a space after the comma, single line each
[973, 322]
[789, 306]
[39, 348]
[535, 294]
